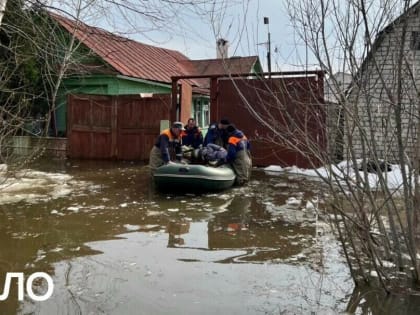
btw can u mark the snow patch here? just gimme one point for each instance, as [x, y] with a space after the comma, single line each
[74, 209]
[294, 202]
[35, 186]
[131, 227]
[345, 170]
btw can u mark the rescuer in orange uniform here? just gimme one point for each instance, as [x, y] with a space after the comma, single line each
[239, 155]
[191, 135]
[167, 145]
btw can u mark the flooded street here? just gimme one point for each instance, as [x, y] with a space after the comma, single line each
[113, 245]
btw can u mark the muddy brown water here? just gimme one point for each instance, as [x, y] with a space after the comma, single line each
[114, 245]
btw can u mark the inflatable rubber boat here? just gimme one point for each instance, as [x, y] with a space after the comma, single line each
[193, 177]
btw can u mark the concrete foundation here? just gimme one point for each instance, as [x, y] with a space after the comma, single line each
[42, 146]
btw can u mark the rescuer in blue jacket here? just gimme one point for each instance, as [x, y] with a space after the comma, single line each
[167, 144]
[192, 135]
[217, 134]
[239, 155]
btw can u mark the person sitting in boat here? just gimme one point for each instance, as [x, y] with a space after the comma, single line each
[217, 133]
[167, 144]
[191, 135]
[239, 155]
[214, 154]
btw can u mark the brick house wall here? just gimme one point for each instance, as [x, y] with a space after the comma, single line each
[375, 106]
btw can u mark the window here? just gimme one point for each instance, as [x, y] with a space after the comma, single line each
[197, 112]
[202, 112]
[206, 115]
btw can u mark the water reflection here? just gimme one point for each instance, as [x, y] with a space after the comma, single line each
[175, 230]
[114, 239]
[247, 225]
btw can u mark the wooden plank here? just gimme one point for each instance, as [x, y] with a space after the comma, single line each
[84, 128]
[186, 102]
[114, 127]
[174, 101]
[214, 106]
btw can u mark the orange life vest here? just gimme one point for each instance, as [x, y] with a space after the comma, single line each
[234, 140]
[168, 133]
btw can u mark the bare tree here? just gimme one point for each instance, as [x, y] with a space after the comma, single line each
[39, 55]
[374, 122]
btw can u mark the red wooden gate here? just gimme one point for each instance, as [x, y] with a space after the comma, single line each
[114, 127]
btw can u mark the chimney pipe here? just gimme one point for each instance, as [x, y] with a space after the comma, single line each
[222, 46]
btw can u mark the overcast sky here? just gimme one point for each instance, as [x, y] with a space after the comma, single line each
[193, 30]
[243, 26]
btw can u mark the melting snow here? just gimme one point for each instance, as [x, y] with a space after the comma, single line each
[388, 264]
[131, 227]
[74, 209]
[344, 170]
[34, 186]
[3, 169]
[292, 201]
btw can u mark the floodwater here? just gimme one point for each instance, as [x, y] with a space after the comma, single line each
[114, 245]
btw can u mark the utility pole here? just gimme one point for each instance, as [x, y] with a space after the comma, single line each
[267, 22]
